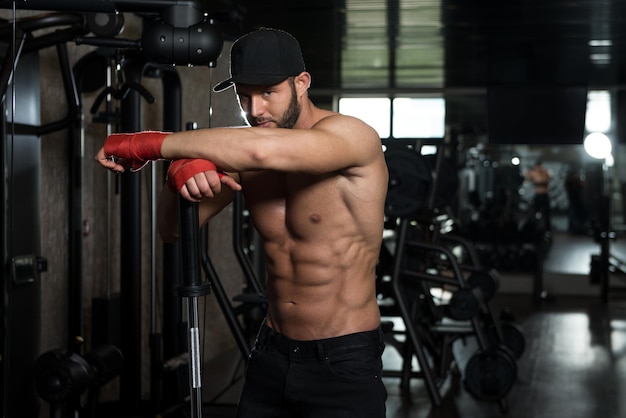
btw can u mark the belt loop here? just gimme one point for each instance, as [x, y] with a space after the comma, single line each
[321, 352]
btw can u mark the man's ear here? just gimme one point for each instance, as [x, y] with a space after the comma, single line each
[302, 82]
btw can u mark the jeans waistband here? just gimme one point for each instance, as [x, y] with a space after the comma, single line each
[320, 349]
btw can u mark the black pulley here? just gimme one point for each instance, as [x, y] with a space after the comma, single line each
[105, 24]
[60, 374]
[490, 373]
[409, 183]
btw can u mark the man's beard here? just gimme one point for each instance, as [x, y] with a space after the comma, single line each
[291, 115]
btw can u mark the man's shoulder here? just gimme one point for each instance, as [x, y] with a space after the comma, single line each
[326, 116]
[346, 123]
[334, 117]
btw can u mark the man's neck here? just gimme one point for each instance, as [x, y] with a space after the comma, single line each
[310, 115]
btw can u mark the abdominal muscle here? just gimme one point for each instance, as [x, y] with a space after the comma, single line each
[312, 298]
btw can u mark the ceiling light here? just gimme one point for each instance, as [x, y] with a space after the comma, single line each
[600, 58]
[598, 114]
[598, 145]
[600, 42]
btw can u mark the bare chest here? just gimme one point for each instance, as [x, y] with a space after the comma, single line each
[300, 206]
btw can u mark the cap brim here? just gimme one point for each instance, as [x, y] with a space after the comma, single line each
[223, 85]
[253, 80]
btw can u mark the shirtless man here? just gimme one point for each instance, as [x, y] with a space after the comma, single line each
[315, 186]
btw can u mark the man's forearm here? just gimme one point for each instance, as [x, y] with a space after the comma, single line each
[230, 149]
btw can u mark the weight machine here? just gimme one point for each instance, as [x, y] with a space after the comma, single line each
[190, 39]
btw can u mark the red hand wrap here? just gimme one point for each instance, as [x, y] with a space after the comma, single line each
[182, 170]
[136, 148]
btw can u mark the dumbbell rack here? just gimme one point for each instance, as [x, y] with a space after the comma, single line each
[430, 333]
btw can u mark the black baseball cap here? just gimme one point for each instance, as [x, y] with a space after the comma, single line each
[264, 56]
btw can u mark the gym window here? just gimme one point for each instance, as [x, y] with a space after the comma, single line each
[391, 44]
[399, 117]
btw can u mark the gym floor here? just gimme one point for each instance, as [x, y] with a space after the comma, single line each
[574, 366]
[574, 363]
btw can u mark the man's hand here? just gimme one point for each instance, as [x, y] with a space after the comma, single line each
[130, 150]
[197, 179]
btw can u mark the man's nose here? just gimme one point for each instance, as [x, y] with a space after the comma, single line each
[256, 106]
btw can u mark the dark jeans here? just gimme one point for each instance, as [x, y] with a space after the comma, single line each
[329, 378]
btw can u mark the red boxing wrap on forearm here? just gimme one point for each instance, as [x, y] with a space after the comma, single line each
[137, 148]
[182, 170]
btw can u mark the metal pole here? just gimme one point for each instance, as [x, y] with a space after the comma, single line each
[191, 288]
[131, 247]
